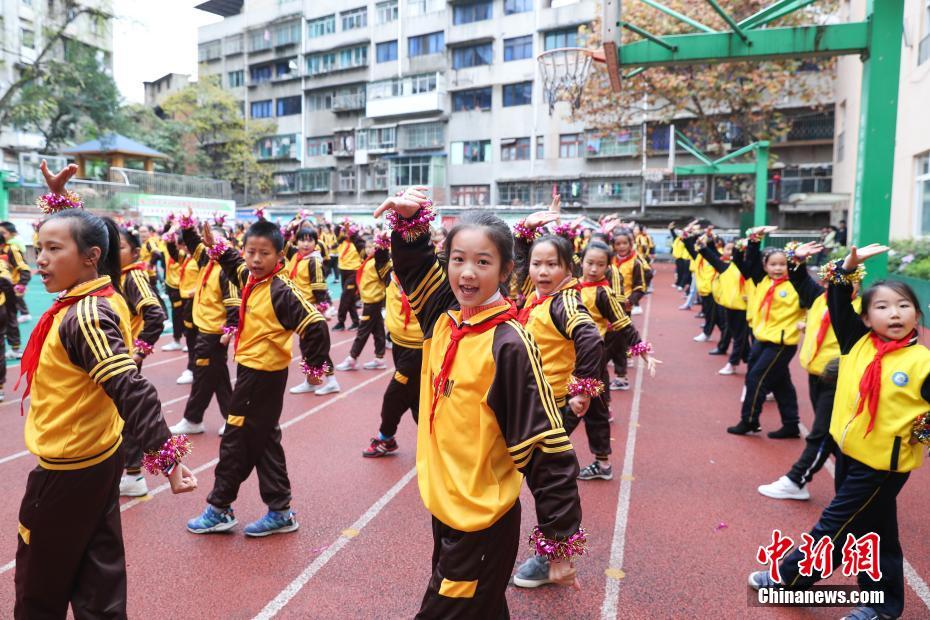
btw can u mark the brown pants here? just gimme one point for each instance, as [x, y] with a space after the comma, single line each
[211, 376]
[372, 324]
[471, 570]
[252, 440]
[70, 547]
[403, 392]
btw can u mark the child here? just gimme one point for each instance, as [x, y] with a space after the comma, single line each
[216, 317]
[403, 392]
[630, 268]
[350, 249]
[777, 312]
[172, 288]
[704, 275]
[272, 310]
[21, 274]
[7, 313]
[489, 416]
[879, 416]
[730, 295]
[371, 280]
[188, 278]
[146, 324]
[83, 386]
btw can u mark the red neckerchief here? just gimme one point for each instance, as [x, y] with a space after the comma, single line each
[30, 361]
[206, 274]
[770, 295]
[184, 265]
[603, 282]
[346, 250]
[524, 314]
[404, 302]
[135, 267]
[359, 272]
[296, 266]
[870, 386]
[459, 332]
[249, 285]
[620, 261]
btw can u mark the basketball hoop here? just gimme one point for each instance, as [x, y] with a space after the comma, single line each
[564, 72]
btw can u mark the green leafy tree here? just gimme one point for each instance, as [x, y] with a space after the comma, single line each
[165, 135]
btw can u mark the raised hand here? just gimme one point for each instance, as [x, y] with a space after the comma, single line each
[407, 204]
[651, 364]
[857, 256]
[808, 249]
[56, 182]
[541, 218]
[208, 239]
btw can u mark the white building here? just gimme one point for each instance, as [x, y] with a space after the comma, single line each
[158, 90]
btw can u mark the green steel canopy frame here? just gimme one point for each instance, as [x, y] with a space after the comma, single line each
[877, 40]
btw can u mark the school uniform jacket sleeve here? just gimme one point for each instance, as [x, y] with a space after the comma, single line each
[808, 289]
[317, 281]
[19, 263]
[297, 314]
[422, 276]
[571, 317]
[172, 248]
[753, 261]
[531, 425]
[92, 337]
[740, 262]
[234, 267]
[231, 299]
[383, 264]
[139, 295]
[638, 287]
[847, 325]
[712, 256]
[195, 246]
[611, 310]
[521, 261]
[690, 246]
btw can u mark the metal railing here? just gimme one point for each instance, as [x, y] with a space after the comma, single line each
[819, 127]
[98, 196]
[682, 191]
[171, 184]
[349, 102]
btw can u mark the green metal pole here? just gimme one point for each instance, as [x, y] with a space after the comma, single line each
[4, 197]
[762, 184]
[679, 16]
[877, 125]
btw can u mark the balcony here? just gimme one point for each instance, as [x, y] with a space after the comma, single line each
[681, 192]
[415, 94]
[623, 143]
[349, 102]
[817, 128]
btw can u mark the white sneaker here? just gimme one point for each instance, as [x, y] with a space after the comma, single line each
[303, 388]
[186, 427]
[133, 486]
[727, 370]
[347, 364]
[2, 395]
[636, 310]
[186, 378]
[172, 346]
[222, 430]
[184, 349]
[375, 364]
[25, 318]
[330, 387]
[769, 398]
[702, 337]
[784, 488]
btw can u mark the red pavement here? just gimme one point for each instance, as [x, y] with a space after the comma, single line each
[693, 524]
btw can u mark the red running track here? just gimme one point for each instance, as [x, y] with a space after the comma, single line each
[659, 548]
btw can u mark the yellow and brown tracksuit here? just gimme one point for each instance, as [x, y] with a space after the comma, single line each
[682, 259]
[174, 258]
[403, 392]
[86, 386]
[216, 305]
[730, 293]
[349, 252]
[372, 278]
[151, 253]
[495, 422]
[188, 269]
[20, 274]
[7, 312]
[327, 246]
[307, 273]
[705, 275]
[271, 312]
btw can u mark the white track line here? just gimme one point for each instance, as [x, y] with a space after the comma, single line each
[278, 603]
[911, 576]
[612, 587]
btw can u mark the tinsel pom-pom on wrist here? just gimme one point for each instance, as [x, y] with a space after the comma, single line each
[315, 372]
[791, 249]
[574, 545]
[590, 387]
[219, 248]
[920, 431]
[323, 307]
[527, 232]
[170, 454]
[412, 228]
[143, 348]
[186, 221]
[568, 230]
[640, 348]
[382, 242]
[53, 203]
[19, 289]
[834, 273]
[230, 330]
[740, 245]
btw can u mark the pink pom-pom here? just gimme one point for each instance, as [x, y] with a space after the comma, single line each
[219, 219]
[259, 213]
[323, 307]
[921, 429]
[187, 221]
[568, 230]
[640, 348]
[574, 545]
[219, 248]
[528, 233]
[169, 237]
[170, 454]
[315, 372]
[590, 387]
[382, 242]
[143, 348]
[19, 289]
[230, 330]
[53, 203]
[412, 228]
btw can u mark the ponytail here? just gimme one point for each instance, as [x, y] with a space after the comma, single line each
[110, 264]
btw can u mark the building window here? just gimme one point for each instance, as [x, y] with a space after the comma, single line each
[472, 56]
[322, 145]
[615, 191]
[261, 109]
[209, 51]
[327, 62]
[284, 182]
[356, 18]
[923, 49]
[287, 34]
[233, 45]
[567, 37]
[513, 194]
[288, 106]
[235, 78]
[321, 26]
[540, 147]
[320, 100]
[346, 181]
[470, 152]
[515, 149]
[399, 87]
[376, 138]
[570, 145]
[277, 147]
[345, 143]
[923, 193]
[432, 43]
[407, 171]
[471, 12]
[260, 40]
[423, 136]
[422, 7]
[471, 195]
[520, 93]
[377, 177]
[622, 143]
[386, 51]
[386, 11]
[473, 99]
[284, 69]
[518, 48]
[259, 75]
[350, 98]
[517, 6]
[314, 180]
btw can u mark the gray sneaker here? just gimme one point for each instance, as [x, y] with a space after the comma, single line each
[596, 470]
[762, 579]
[534, 572]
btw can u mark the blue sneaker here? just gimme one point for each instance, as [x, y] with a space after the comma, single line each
[212, 520]
[275, 522]
[762, 579]
[534, 572]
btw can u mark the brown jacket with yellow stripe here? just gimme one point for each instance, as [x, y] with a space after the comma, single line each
[19, 268]
[216, 300]
[350, 251]
[86, 386]
[187, 269]
[307, 273]
[404, 329]
[496, 422]
[374, 277]
[608, 314]
[274, 311]
[147, 320]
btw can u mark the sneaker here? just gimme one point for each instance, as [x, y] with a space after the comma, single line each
[375, 364]
[353, 327]
[769, 398]
[534, 572]
[727, 370]
[699, 315]
[186, 378]
[25, 318]
[347, 364]
[864, 613]
[636, 311]
[172, 346]
[716, 352]
[133, 485]
[380, 447]
[221, 430]
[620, 383]
[2, 396]
[212, 520]
[784, 488]
[597, 470]
[762, 579]
[744, 428]
[684, 306]
[702, 337]
[275, 522]
[14, 354]
[330, 387]
[186, 427]
[185, 349]
[303, 388]
[339, 327]
[786, 432]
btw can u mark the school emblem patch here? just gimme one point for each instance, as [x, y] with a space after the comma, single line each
[783, 293]
[900, 379]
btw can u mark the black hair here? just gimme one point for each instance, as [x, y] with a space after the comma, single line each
[768, 253]
[90, 231]
[266, 230]
[307, 233]
[898, 287]
[10, 227]
[599, 245]
[622, 231]
[497, 231]
[131, 235]
[563, 249]
[602, 237]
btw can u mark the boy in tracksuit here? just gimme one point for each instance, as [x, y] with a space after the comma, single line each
[371, 278]
[188, 278]
[272, 310]
[216, 316]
